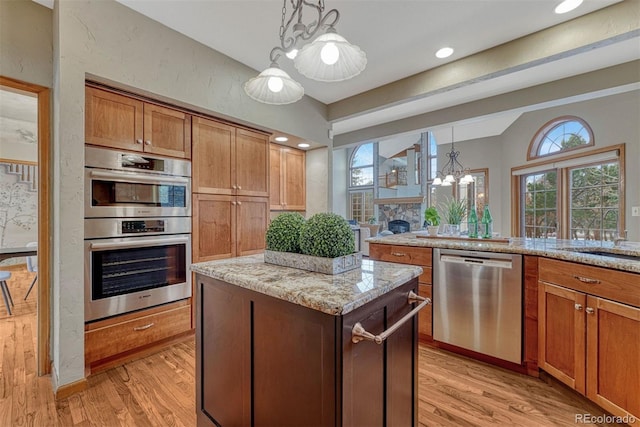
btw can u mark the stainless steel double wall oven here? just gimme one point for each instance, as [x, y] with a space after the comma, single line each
[137, 231]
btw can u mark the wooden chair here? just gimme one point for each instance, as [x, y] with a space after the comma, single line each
[8, 301]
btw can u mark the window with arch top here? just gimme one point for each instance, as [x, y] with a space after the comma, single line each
[560, 135]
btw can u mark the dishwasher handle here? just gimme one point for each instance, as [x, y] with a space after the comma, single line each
[484, 262]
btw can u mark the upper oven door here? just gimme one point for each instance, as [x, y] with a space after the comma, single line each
[118, 194]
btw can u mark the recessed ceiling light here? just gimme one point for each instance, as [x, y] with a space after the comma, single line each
[281, 138]
[445, 52]
[567, 6]
[304, 145]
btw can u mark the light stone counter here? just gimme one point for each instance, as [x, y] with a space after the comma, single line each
[332, 294]
[568, 250]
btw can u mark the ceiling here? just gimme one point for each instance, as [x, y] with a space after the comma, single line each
[400, 39]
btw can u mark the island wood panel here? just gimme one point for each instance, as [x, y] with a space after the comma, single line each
[613, 356]
[214, 227]
[214, 157]
[252, 163]
[167, 132]
[607, 283]
[113, 120]
[530, 330]
[303, 362]
[425, 317]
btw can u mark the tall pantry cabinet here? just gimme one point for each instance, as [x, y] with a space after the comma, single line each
[230, 190]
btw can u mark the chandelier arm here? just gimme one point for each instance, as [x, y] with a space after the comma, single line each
[276, 53]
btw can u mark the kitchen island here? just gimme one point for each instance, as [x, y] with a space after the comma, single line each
[275, 345]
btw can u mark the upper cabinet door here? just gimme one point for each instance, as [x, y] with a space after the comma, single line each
[276, 199]
[294, 179]
[113, 120]
[167, 132]
[213, 157]
[252, 163]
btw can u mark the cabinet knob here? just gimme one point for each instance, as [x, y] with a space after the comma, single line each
[234, 187]
[239, 203]
[578, 307]
[233, 203]
[147, 142]
[239, 187]
[590, 310]
[138, 141]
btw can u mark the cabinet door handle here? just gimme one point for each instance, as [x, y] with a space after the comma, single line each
[147, 142]
[138, 141]
[587, 280]
[590, 310]
[398, 254]
[578, 307]
[359, 333]
[142, 328]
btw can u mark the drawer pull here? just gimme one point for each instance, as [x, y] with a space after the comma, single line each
[587, 280]
[359, 333]
[142, 328]
[398, 254]
[578, 307]
[589, 310]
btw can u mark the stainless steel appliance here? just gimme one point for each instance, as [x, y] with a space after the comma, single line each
[478, 302]
[134, 263]
[119, 184]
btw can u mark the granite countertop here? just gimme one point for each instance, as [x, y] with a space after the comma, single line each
[568, 250]
[332, 294]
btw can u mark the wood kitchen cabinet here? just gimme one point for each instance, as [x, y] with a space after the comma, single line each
[268, 362]
[287, 179]
[228, 226]
[229, 160]
[122, 122]
[113, 341]
[422, 257]
[589, 332]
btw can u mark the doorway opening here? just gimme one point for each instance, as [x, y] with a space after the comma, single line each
[25, 211]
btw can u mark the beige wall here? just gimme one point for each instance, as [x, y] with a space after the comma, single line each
[317, 169]
[26, 50]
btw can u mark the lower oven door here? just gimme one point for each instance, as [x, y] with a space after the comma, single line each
[128, 274]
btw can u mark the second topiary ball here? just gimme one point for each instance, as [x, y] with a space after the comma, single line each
[327, 235]
[283, 234]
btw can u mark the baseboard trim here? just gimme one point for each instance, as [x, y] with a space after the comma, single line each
[70, 389]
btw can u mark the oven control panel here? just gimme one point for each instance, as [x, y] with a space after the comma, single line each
[143, 226]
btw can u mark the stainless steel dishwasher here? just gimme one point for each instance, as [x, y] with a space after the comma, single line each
[477, 302]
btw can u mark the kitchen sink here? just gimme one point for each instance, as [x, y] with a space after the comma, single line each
[605, 252]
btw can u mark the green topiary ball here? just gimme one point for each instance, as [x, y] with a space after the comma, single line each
[283, 234]
[327, 235]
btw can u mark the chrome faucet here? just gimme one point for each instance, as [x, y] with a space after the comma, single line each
[621, 237]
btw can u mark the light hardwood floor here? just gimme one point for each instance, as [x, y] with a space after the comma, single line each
[159, 390]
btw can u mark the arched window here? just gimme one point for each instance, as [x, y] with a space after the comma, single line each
[361, 167]
[560, 135]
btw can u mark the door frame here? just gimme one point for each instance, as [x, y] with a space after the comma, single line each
[44, 217]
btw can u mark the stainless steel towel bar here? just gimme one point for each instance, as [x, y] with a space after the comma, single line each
[359, 333]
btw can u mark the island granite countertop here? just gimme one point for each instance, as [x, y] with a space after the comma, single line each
[568, 250]
[332, 294]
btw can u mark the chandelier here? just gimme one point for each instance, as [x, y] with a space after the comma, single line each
[328, 58]
[452, 171]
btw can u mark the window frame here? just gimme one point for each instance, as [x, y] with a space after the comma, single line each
[351, 189]
[538, 138]
[564, 214]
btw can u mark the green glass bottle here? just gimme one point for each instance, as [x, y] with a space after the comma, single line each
[487, 223]
[473, 223]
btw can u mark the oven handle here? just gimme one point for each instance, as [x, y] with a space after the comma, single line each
[137, 243]
[139, 178]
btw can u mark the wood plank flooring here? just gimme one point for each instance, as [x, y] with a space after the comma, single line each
[159, 390]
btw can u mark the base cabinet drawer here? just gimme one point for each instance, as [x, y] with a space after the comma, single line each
[110, 338]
